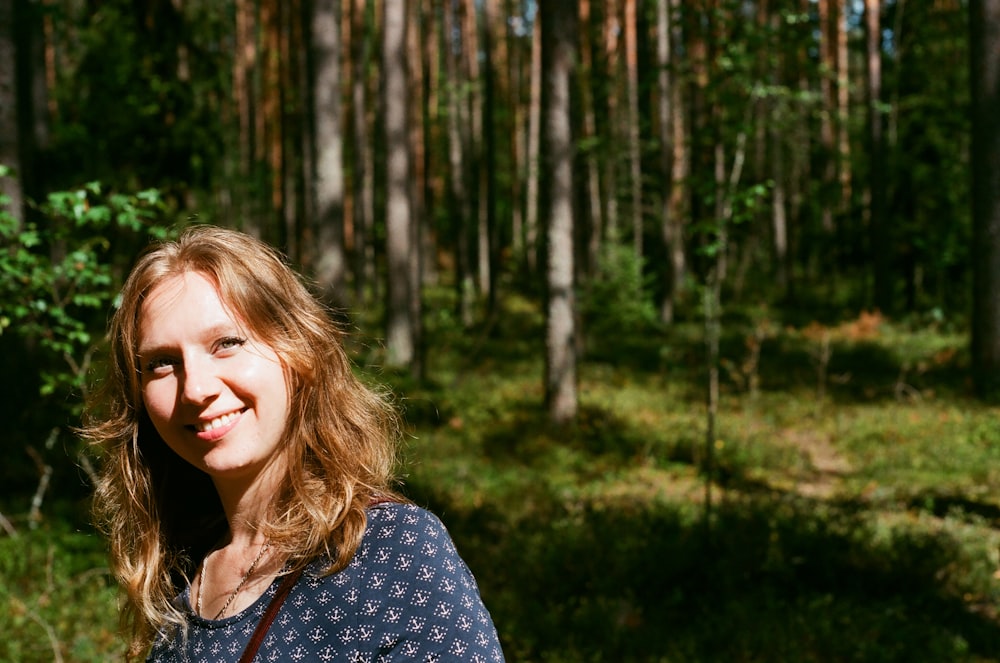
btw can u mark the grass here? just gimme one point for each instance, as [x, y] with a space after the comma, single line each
[853, 519]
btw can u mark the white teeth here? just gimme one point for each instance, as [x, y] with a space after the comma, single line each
[204, 427]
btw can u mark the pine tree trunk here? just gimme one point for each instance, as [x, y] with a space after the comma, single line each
[533, 149]
[560, 365]
[843, 107]
[612, 28]
[876, 150]
[671, 225]
[632, 127]
[329, 185]
[400, 336]
[10, 156]
[494, 88]
[828, 68]
[418, 229]
[518, 135]
[594, 230]
[984, 30]
[458, 179]
[476, 136]
[363, 165]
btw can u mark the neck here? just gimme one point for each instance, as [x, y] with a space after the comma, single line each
[245, 501]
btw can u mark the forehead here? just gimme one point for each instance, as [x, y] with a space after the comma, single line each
[181, 303]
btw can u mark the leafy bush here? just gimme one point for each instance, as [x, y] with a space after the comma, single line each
[57, 273]
[58, 277]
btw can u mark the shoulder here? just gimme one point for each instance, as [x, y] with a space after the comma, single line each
[410, 540]
[408, 523]
[417, 592]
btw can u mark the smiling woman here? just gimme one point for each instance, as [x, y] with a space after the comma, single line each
[244, 463]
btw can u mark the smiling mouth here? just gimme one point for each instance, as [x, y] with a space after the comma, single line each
[218, 422]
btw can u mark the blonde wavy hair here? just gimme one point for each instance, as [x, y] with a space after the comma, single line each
[162, 515]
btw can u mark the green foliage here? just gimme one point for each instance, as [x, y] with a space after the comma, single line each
[617, 301]
[58, 273]
[57, 601]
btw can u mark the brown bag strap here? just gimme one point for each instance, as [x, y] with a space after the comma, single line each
[272, 611]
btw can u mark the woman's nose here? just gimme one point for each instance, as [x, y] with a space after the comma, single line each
[201, 383]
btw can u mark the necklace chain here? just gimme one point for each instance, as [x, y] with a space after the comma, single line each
[243, 581]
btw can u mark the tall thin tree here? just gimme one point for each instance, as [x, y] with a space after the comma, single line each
[362, 165]
[558, 24]
[9, 145]
[533, 148]
[984, 42]
[632, 125]
[876, 157]
[400, 327]
[328, 188]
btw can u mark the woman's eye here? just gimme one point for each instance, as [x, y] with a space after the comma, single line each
[230, 343]
[159, 364]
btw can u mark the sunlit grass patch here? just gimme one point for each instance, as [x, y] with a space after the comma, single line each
[57, 601]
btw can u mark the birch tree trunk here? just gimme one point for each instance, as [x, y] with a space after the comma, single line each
[560, 365]
[400, 336]
[328, 137]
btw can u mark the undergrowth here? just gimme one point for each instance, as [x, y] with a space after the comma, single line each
[854, 499]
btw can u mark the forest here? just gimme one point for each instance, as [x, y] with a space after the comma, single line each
[689, 307]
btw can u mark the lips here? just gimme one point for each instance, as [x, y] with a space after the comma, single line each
[217, 427]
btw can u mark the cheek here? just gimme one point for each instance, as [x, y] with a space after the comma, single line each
[158, 400]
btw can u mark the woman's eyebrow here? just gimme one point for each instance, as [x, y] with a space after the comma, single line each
[206, 335]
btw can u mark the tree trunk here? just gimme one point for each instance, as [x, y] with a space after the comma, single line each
[843, 107]
[363, 166]
[828, 68]
[494, 89]
[400, 336]
[533, 149]
[328, 136]
[984, 41]
[595, 217]
[632, 128]
[612, 28]
[10, 156]
[560, 365]
[777, 155]
[475, 135]
[32, 95]
[876, 165]
[518, 139]
[457, 160]
[671, 223]
[417, 141]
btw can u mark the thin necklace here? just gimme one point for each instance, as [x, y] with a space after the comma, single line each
[243, 581]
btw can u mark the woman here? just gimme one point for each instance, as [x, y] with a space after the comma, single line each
[247, 478]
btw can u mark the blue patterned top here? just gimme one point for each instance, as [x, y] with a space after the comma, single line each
[405, 596]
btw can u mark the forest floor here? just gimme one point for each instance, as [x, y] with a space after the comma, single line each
[847, 507]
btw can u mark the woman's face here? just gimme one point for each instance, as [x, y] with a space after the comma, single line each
[216, 394]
